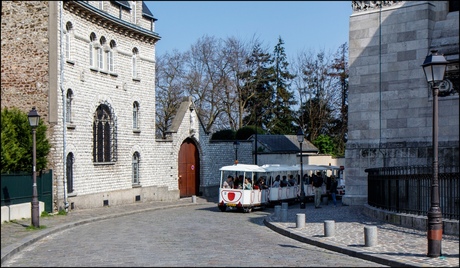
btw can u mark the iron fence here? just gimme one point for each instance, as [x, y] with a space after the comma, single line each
[407, 189]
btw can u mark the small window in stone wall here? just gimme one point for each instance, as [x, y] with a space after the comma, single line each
[135, 115]
[135, 168]
[92, 50]
[69, 99]
[68, 41]
[135, 63]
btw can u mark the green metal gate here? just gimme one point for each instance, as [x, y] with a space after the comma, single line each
[17, 188]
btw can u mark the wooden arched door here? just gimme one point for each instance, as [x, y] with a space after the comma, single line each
[189, 169]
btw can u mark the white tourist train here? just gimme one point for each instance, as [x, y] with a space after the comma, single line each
[252, 186]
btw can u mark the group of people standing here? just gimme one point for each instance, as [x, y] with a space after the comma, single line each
[317, 182]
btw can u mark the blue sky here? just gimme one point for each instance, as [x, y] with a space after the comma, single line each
[303, 25]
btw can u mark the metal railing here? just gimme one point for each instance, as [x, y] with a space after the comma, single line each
[407, 189]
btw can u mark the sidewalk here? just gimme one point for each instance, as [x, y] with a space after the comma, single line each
[397, 246]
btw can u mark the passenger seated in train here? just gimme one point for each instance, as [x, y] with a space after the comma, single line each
[261, 183]
[238, 183]
[228, 184]
[276, 183]
[247, 184]
[292, 181]
[284, 182]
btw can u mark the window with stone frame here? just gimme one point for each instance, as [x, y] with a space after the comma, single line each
[69, 172]
[135, 63]
[68, 107]
[102, 54]
[135, 176]
[68, 41]
[93, 45]
[135, 115]
[104, 135]
[110, 57]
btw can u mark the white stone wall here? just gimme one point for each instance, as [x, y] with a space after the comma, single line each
[91, 88]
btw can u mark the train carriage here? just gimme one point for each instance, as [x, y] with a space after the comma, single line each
[241, 199]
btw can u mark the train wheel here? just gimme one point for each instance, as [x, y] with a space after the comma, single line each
[247, 210]
[223, 208]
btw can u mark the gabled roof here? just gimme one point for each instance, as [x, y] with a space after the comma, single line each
[282, 144]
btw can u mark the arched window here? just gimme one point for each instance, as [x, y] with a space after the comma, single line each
[92, 49]
[68, 106]
[136, 168]
[101, 54]
[135, 56]
[68, 39]
[104, 135]
[135, 115]
[69, 172]
[110, 59]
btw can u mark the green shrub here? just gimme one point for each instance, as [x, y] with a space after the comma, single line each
[16, 142]
[245, 132]
[226, 134]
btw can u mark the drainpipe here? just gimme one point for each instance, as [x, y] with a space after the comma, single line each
[61, 85]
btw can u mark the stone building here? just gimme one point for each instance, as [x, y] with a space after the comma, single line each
[390, 102]
[89, 69]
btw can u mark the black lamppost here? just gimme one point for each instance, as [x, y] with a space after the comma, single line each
[300, 137]
[34, 118]
[236, 144]
[434, 67]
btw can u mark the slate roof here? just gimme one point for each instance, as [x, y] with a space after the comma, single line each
[145, 10]
[282, 144]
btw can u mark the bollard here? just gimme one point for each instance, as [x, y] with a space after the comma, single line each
[370, 236]
[300, 220]
[284, 205]
[277, 212]
[329, 228]
[284, 215]
[193, 198]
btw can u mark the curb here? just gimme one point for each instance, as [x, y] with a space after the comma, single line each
[268, 221]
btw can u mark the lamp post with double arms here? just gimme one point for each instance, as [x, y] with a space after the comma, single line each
[236, 144]
[434, 68]
[34, 119]
[300, 137]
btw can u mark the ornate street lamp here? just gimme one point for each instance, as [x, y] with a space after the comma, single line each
[34, 118]
[236, 144]
[434, 67]
[300, 137]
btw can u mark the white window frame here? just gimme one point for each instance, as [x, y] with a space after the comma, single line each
[135, 115]
[69, 99]
[100, 58]
[135, 168]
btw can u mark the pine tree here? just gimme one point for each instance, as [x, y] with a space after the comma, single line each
[258, 88]
[282, 114]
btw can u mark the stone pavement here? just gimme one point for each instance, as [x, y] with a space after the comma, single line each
[396, 246]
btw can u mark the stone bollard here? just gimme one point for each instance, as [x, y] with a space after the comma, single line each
[329, 228]
[193, 198]
[284, 215]
[284, 205]
[300, 220]
[370, 236]
[277, 212]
